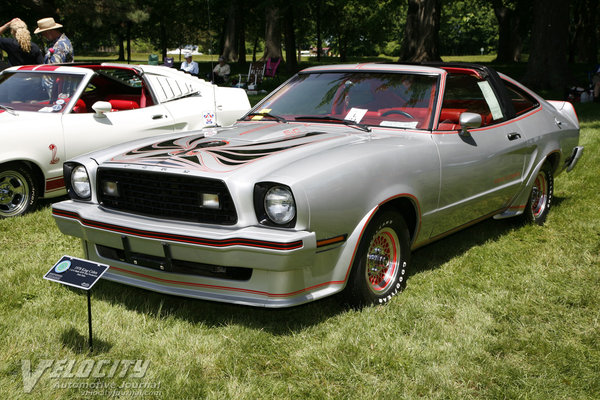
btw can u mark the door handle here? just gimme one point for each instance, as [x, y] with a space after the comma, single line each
[513, 136]
[558, 122]
[157, 116]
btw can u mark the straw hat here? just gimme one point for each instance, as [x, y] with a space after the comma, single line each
[46, 24]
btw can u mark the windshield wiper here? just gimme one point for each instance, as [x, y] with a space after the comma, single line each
[265, 114]
[8, 109]
[348, 122]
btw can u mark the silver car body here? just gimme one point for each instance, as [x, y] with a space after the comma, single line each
[340, 177]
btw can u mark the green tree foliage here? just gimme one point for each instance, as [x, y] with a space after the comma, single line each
[467, 26]
[95, 23]
[355, 27]
[349, 28]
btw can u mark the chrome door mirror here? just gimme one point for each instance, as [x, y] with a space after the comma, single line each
[468, 121]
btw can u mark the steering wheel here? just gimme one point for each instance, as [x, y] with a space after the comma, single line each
[404, 113]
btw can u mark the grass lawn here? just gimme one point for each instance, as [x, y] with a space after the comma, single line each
[501, 310]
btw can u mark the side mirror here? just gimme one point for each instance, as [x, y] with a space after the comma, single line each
[469, 121]
[101, 107]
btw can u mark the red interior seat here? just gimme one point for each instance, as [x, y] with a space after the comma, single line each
[80, 107]
[450, 119]
[118, 104]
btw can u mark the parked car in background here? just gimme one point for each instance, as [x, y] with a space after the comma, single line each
[51, 113]
[326, 185]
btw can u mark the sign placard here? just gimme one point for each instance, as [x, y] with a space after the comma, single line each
[72, 271]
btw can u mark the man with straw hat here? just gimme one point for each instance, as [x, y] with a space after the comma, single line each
[60, 49]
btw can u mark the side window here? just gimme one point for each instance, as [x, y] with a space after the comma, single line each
[468, 93]
[522, 101]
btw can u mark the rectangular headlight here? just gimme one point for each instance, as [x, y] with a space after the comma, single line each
[110, 188]
[210, 200]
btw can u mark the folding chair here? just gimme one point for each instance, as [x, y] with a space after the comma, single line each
[255, 74]
[271, 67]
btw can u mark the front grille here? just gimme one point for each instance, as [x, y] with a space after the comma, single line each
[176, 266]
[164, 195]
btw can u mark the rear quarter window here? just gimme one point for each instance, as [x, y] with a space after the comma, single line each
[468, 93]
[521, 100]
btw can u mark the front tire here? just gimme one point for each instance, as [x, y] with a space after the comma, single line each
[380, 265]
[18, 193]
[540, 199]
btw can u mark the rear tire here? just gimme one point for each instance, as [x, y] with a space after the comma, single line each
[540, 199]
[18, 193]
[380, 266]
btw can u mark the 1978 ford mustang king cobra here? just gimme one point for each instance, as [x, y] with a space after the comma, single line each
[325, 185]
[51, 113]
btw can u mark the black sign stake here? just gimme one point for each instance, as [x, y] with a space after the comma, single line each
[82, 274]
[89, 298]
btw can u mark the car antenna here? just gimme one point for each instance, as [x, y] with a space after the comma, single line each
[212, 61]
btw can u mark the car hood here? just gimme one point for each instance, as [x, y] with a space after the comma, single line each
[237, 150]
[25, 122]
[7, 117]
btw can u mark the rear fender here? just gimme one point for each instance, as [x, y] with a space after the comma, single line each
[517, 206]
[567, 110]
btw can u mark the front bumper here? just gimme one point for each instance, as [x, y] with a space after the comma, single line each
[145, 252]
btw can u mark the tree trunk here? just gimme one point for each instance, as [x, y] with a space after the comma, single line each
[229, 36]
[121, 48]
[163, 39]
[272, 34]
[254, 49]
[241, 36]
[583, 46]
[547, 67]
[509, 38]
[343, 47]
[319, 39]
[128, 42]
[290, 40]
[421, 41]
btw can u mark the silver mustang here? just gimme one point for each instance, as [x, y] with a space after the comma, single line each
[324, 186]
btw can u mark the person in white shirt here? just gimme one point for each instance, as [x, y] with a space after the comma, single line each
[189, 66]
[221, 72]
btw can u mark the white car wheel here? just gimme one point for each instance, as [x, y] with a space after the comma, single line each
[18, 193]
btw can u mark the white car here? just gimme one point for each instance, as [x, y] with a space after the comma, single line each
[50, 113]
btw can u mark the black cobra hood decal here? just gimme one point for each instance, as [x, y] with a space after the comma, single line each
[210, 154]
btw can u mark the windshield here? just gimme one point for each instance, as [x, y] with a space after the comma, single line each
[397, 100]
[31, 91]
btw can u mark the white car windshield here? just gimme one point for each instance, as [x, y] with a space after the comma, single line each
[40, 92]
[395, 100]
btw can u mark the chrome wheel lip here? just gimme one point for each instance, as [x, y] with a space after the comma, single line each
[14, 193]
[382, 261]
[539, 195]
